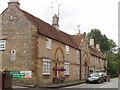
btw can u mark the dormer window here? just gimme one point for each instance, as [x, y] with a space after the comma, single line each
[2, 44]
[48, 43]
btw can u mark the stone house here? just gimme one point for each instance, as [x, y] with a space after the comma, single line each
[32, 46]
[98, 61]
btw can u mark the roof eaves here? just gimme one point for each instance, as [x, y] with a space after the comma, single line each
[58, 40]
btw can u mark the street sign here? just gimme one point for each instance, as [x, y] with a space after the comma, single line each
[16, 73]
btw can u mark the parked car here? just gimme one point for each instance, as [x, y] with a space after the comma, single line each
[95, 78]
[105, 76]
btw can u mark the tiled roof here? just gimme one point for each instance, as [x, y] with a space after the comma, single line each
[97, 53]
[78, 38]
[51, 32]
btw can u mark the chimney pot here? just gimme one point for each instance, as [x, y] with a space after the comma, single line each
[92, 43]
[13, 4]
[98, 47]
[14, 0]
[55, 21]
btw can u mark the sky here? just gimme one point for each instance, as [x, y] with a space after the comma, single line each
[89, 14]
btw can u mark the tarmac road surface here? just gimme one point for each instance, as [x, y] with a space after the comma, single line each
[113, 83]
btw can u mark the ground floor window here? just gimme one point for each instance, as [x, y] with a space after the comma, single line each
[46, 66]
[67, 67]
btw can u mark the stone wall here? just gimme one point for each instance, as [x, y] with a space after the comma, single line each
[19, 34]
[50, 53]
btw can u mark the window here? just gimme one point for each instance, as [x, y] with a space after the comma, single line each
[48, 43]
[67, 67]
[2, 44]
[46, 66]
[95, 60]
[100, 62]
[78, 55]
[67, 49]
[78, 70]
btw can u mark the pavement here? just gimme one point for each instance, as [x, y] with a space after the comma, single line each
[59, 85]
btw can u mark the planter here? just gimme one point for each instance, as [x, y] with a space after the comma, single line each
[58, 79]
[62, 79]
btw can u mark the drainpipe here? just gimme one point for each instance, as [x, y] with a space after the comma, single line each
[35, 58]
[80, 64]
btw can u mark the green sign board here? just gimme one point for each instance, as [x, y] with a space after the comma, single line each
[25, 74]
[17, 74]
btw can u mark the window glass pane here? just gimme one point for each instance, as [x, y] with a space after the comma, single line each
[67, 69]
[48, 43]
[2, 44]
[46, 67]
[67, 49]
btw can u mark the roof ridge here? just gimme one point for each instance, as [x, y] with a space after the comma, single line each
[48, 30]
[100, 54]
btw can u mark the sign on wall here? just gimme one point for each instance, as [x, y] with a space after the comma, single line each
[24, 74]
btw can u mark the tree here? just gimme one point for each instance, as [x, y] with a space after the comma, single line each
[108, 47]
[105, 43]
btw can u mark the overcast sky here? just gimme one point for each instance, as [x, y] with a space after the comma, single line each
[89, 14]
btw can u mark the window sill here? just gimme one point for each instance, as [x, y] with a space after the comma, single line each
[45, 74]
[48, 48]
[2, 50]
[67, 53]
[66, 74]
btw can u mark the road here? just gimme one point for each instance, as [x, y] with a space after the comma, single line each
[112, 84]
[85, 86]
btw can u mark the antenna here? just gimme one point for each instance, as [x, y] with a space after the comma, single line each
[79, 28]
[59, 9]
[53, 3]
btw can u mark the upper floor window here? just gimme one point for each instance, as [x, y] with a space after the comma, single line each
[78, 55]
[101, 62]
[78, 70]
[48, 43]
[67, 49]
[2, 44]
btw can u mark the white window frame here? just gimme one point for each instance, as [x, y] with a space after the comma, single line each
[2, 44]
[67, 67]
[48, 43]
[46, 66]
[67, 49]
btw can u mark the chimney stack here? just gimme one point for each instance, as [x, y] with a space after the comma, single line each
[14, 0]
[14, 3]
[92, 43]
[98, 47]
[55, 22]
